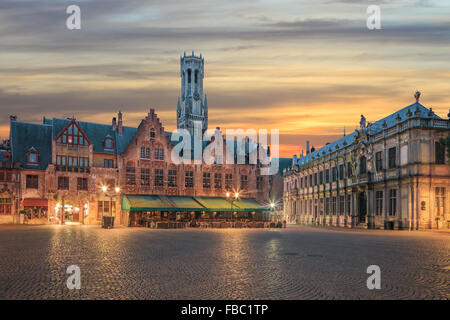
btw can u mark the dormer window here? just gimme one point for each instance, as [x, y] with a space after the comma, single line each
[32, 157]
[109, 143]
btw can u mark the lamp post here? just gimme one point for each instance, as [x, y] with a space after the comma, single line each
[272, 207]
[110, 195]
[229, 198]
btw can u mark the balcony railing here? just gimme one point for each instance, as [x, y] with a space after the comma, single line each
[73, 169]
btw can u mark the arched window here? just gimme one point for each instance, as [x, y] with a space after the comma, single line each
[32, 157]
[196, 76]
[189, 75]
[130, 173]
[109, 143]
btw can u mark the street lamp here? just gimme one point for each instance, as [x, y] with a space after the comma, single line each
[110, 195]
[272, 207]
[236, 196]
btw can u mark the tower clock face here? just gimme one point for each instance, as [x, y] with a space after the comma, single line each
[196, 96]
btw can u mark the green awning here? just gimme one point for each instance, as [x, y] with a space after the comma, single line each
[141, 202]
[251, 205]
[222, 204]
[175, 203]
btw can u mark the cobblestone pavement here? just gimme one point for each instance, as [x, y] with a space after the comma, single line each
[294, 263]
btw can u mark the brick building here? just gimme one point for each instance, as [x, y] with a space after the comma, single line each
[71, 171]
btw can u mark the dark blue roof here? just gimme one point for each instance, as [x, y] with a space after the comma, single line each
[28, 136]
[96, 133]
[375, 128]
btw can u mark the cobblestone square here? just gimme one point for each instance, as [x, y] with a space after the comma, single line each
[292, 263]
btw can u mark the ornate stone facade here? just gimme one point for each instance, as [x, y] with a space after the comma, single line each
[391, 174]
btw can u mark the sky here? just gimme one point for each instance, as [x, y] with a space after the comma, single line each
[307, 68]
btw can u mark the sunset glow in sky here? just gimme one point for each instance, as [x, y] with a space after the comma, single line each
[307, 68]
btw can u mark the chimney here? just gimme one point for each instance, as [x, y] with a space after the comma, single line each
[307, 147]
[13, 118]
[119, 128]
[114, 124]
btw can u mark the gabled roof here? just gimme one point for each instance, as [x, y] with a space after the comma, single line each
[96, 133]
[375, 128]
[25, 136]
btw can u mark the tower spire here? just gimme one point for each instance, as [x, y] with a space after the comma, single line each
[192, 109]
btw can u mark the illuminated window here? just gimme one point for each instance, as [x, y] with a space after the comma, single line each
[72, 135]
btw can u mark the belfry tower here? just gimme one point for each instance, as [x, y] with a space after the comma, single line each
[192, 109]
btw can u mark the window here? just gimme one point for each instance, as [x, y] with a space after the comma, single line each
[333, 207]
[301, 182]
[362, 165]
[189, 75]
[82, 184]
[196, 77]
[145, 176]
[327, 175]
[392, 157]
[349, 204]
[379, 203]
[321, 177]
[84, 162]
[349, 170]
[109, 163]
[152, 134]
[32, 182]
[159, 153]
[5, 176]
[341, 172]
[217, 180]
[63, 183]
[392, 202]
[440, 201]
[379, 161]
[439, 151]
[32, 157]
[316, 179]
[130, 175]
[145, 153]
[189, 179]
[73, 136]
[172, 178]
[5, 205]
[333, 174]
[259, 183]
[206, 180]
[244, 180]
[228, 181]
[310, 180]
[109, 144]
[104, 208]
[341, 205]
[327, 206]
[159, 177]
